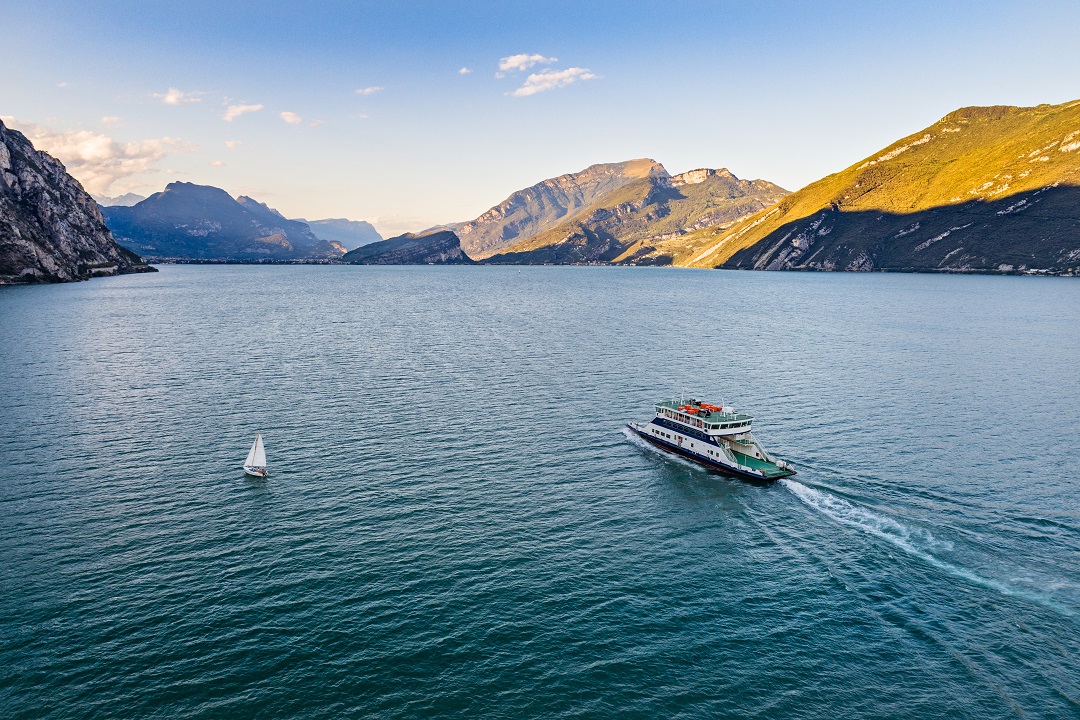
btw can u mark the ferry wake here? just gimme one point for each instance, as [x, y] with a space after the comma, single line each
[713, 435]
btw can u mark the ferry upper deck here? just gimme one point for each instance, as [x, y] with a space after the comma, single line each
[713, 419]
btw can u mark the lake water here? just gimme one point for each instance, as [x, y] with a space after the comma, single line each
[457, 524]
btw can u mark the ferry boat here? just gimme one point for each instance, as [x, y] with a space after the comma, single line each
[714, 435]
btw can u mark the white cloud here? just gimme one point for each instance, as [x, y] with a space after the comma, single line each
[235, 111]
[315, 123]
[369, 90]
[232, 144]
[97, 160]
[360, 116]
[177, 97]
[111, 121]
[549, 79]
[217, 163]
[464, 71]
[291, 118]
[61, 85]
[524, 61]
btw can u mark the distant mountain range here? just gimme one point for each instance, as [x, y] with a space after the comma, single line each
[350, 234]
[126, 200]
[51, 230]
[439, 247]
[985, 189]
[203, 222]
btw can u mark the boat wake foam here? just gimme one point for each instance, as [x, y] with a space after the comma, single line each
[916, 542]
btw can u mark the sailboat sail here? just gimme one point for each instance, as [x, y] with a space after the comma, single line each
[257, 456]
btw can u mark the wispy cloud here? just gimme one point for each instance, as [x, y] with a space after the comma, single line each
[369, 90]
[111, 121]
[61, 85]
[98, 160]
[464, 71]
[291, 118]
[315, 123]
[177, 97]
[217, 163]
[232, 144]
[235, 111]
[524, 61]
[549, 79]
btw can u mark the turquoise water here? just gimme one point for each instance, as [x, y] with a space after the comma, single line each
[457, 525]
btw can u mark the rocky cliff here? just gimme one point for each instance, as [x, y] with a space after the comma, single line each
[51, 230]
[984, 189]
[547, 204]
[204, 222]
[441, 247]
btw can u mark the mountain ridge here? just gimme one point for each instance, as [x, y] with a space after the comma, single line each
[634, 223]
[544, 205]
[192, 221]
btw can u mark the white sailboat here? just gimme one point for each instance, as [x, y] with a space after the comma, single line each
[255, 464]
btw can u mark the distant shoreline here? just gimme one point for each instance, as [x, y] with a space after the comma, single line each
[1027, 272]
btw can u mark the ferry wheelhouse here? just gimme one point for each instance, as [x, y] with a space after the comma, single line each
[714, 435]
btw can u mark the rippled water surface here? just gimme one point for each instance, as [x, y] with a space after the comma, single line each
[457, 525]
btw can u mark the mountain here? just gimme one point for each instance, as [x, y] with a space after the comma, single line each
[203, 222]
[51, 230]
[644, 221]
[985, 189]
[126, 200]
[351, 234]
[440, 248]
[529, 212]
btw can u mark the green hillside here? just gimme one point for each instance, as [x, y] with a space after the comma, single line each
[638, 222]
[985, 189]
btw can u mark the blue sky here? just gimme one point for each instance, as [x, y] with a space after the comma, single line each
[364, 110]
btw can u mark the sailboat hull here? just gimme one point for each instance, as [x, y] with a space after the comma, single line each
[256, 472]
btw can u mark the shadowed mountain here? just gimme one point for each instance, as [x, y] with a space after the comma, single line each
[989, 189]
[51, 230]
[350, 234]
[441, 247]
[203, 222]
[529, 212]
[643, 221]
[1036, 231]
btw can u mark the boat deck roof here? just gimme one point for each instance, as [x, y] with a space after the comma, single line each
[713, 416]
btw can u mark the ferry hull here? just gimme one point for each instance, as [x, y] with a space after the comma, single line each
[683, 452]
